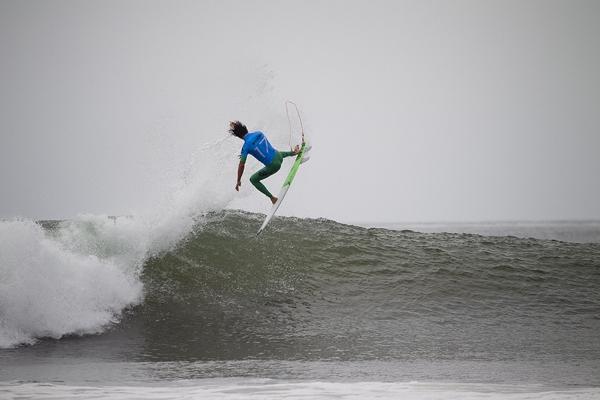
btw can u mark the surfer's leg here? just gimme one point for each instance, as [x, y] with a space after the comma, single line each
[265, 173]
[256, 181]
[285, 154]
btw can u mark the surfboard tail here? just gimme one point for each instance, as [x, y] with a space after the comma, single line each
[274, 208]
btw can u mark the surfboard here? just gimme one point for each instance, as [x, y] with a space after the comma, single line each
[301, 158]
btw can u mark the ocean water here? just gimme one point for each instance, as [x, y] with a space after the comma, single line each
[193, 305]
[566, 231]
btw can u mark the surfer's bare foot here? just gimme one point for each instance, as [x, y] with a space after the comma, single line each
[273, 199]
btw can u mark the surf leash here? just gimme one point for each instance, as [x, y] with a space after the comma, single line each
[287, 112]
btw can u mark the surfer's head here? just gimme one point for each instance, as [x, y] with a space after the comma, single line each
[238, 129]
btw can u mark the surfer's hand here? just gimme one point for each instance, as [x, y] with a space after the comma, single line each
[296, 149]
[237, 186]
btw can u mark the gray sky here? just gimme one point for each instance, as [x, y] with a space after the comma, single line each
[417, 110]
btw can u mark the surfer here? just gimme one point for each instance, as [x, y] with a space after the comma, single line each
[256, 144]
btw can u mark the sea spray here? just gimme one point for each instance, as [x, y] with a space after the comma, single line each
[78, 276]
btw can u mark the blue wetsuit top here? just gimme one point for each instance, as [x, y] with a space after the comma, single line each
[256, 143]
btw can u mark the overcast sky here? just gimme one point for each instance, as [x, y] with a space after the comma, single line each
[417, 110]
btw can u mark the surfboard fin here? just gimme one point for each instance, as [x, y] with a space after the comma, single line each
[305, 159]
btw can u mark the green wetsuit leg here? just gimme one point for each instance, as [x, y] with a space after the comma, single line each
[285, 154]
[265, 173]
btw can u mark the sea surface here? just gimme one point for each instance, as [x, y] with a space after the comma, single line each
[119, 308]
[566, 231]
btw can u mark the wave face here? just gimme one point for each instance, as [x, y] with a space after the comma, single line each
[316, 289]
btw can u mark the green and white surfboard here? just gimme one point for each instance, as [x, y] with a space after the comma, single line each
[301, 158]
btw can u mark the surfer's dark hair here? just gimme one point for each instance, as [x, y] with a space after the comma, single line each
[238, 129]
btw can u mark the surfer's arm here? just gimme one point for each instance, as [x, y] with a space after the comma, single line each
[240, 173]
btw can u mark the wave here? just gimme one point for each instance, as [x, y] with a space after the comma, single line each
[205, 277]
[447, 266]
[314, 288]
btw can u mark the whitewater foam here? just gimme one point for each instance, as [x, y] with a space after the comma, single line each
[275, 389]
[48, 291]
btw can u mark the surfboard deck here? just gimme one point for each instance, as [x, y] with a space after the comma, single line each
[300, 158]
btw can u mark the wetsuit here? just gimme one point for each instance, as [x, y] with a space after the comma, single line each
[256, 144]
